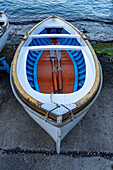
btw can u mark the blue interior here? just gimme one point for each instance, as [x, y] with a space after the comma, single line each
[54, 31]
[40, 41]
[76, 57]
[31, 64]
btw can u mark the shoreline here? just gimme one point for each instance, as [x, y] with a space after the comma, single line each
[16, 35]
[94, 31]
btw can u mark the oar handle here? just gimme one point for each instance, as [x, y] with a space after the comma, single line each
[55, 85]
[60, 80]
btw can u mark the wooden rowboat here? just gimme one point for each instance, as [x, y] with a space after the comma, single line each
[56, 76]
[4, 25]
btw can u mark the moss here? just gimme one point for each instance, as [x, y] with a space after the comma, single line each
[103, 48]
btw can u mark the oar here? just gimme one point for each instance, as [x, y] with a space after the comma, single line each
[60, 80]
[52, 56]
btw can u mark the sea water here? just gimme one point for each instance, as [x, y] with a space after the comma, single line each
[90, 13]
[22, 10]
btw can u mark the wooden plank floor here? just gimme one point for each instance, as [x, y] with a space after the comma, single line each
[44, 72]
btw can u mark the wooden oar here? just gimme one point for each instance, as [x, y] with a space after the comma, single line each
[60, 80]
[54, 75]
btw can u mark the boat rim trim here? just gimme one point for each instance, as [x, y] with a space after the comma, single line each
[38, 103]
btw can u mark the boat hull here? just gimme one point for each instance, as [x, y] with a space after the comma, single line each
[3, 39]
[57, 114]
[59, 131]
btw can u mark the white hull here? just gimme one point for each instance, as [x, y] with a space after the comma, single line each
[3, 39]
[57, 114]
[4, 25]
[57, 133]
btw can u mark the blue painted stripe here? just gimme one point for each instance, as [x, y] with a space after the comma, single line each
[43, 31]
[73, 41]
[29, 72]
[79, 87]
[72, 51]
[81, 82]
[75, 71]
[80, 61]
[34, 54]
[33, 86]
[78, 44]
[65, 40]
[82, 71]
[30, 78]
[48, 40]
[77, 57]
[76, 53]
[82, 76]
[30, 61]
[33, 58]
[53, 31]
[43, 41]
[60, 40]
[29, 66]
[35, 42]
[35, 72]
[81, 66]
[31, 83]
[31, 44]
[69, 41]
[64, 31]
[39, 42]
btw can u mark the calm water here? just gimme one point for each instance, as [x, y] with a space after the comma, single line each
[71, 10]
[95, 17]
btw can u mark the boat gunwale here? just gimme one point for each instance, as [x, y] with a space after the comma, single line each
[52, 118]
[37, 103]
[4, 27]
